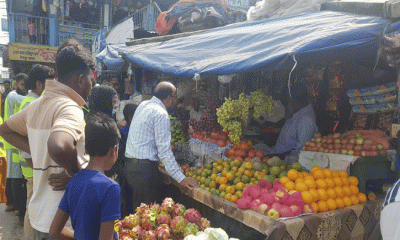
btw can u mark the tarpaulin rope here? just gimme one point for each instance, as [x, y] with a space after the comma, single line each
[290, 74]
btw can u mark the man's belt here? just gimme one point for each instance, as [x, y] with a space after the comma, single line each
[136, 160]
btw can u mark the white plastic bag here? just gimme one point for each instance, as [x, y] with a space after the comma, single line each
[216, 234]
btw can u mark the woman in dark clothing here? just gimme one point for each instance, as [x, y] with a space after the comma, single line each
[126, 192]
[129, 111]
[103, 99]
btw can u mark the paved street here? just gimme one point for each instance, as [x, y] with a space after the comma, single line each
[9, 230]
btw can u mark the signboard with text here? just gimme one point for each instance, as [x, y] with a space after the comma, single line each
[32, 53]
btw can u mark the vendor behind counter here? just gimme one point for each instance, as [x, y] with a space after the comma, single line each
[299, 128]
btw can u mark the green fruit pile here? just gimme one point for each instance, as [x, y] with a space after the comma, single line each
[227, 179]
[177, 134]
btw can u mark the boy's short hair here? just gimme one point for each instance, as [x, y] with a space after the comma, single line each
[101, 134]
[39, 73]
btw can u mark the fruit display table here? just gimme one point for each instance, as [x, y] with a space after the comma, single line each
[355, 222]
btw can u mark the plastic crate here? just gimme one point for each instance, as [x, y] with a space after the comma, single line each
[371, 168]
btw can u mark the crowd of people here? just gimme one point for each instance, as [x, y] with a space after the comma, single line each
[68, 161]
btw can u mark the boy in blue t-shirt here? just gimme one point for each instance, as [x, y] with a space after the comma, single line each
[91, 199]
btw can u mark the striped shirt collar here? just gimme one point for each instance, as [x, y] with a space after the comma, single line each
[158, 101]
[55, 89]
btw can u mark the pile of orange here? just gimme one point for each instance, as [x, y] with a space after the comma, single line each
[324, 189]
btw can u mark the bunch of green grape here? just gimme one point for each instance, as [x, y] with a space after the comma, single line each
[235, 130]
[232, 111]
[229, 114]
[262, 104]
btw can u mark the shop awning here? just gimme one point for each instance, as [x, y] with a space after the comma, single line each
[110, 57]
[270, 44]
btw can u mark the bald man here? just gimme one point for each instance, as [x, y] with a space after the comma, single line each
[149, 141]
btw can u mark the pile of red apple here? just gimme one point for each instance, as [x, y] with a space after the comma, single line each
[356, 142]
[244, 152]
[218, 138]
[273, 200]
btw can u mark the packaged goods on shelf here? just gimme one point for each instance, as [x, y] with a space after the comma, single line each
[359, 92]
[384, 88]
[362, 100]
[386, 97]
[389, 87]
[365, 108]
[382, 107]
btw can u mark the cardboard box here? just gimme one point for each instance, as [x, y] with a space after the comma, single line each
[395, 130]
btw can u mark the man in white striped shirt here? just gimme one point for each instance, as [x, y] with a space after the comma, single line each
[149, 141]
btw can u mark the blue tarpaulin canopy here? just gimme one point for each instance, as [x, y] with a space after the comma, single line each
[271, 44]
[110, 57]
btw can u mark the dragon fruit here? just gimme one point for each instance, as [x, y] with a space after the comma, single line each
[149, 221]
[163, 218]
[286, 211]
[137, 232]
[130, 221]
[190, 229]
[255, 203]
[193, 216]
[179, 210]
[126, 238]
[277, 185]
[119, 225]
[124, 233]
[167, 205]
[142, 209]
[204, 223]
[163, 232]
[127, 223]
[177, 236]
[149, 235]
[177, 224]
[154, 207]
[254, 191]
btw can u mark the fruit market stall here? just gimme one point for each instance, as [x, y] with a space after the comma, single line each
[220, 123]
[351, 221]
